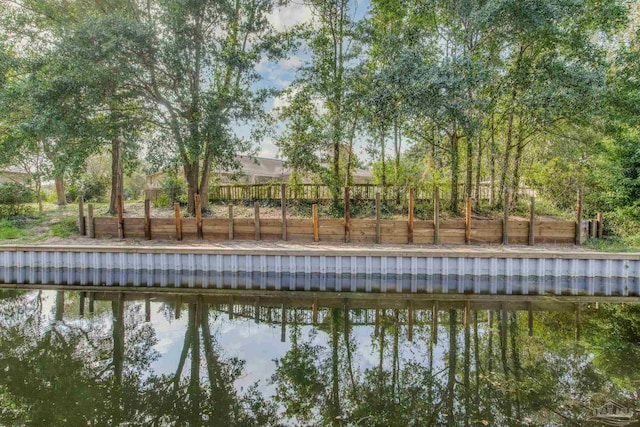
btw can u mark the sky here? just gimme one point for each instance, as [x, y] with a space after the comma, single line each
[279, 75]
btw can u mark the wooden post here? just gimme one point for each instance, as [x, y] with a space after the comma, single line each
[347, 216]
[600, 224]
[81, 225]
[467, 220]
[176, 207]
[505, 219]
[90, 224]
[436, 216]
[378, 236]
[120, 210]
[230, 309]
[316, 226]
[530, 310]
[230, 222]
[410, 218]
[147, 219]
[593, 225]
[283, 205]
[198, 216]
[376, 328]
[59, 305]
[256, 220]
[532, 219]
[579, 218]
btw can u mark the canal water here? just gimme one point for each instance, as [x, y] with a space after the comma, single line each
[119, 357]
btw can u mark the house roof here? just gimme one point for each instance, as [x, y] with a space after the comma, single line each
[13, 169]
[275, 168]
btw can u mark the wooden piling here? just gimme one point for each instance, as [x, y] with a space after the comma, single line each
[147, 219]
[505, 219]
[579, 218]
[91, 228]
[347, 216]
[230, 222]
[410, 217]
[436, 216]
[81, 224]
[532, 218]
[316, 226]
[256, 220]
[378, 237]
[600, 224]
[230, 312]
[467, 220]
[120, 213]
[59, 306]
[176, 207]
[283, 206]
[199, 216]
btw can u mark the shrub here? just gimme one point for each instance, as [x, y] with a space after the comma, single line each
[92, 188]
[173, 187]
[13, 198]
[162, 201]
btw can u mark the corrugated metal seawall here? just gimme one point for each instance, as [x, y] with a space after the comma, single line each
[356, 272]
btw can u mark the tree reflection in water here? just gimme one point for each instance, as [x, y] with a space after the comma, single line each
[351, 362]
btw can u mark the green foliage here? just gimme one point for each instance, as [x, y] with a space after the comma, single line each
[64, 228]
[93, 188]
[162, 201]
[13, 199]
[173, 187]
[9, 230]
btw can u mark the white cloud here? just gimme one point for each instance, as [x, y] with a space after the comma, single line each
[284, 18]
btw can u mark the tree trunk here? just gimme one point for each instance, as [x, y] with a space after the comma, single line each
[492, 166]
[469, 178]
[453, 137]
[116, 173]
[191, 174]
[194, 379]
[478, 169]
[60, 193]
[516, 164]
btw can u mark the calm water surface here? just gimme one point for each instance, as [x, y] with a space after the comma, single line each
[117, 358]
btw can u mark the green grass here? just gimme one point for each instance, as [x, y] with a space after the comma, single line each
[615, 244]
[9, 230]
[64, 228]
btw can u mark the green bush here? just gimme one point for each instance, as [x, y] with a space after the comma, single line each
[64, 228]
[92, 188]
[173, 186]
[162, 201]
[13, 199]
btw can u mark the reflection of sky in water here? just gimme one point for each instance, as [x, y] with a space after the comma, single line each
[601, 366]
